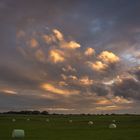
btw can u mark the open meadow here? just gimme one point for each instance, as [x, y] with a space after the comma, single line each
[58, 127]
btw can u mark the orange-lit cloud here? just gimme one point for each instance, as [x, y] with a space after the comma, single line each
[63, 76]
[103, 101]
[58, 34]
[98, 66]
[59, 109]
[8, 91]
[56, 90]
[33, 43]
[39, 54]
[70, 45]
[73, 45]
[58, 38]
[56, 56]
[114, 100]
[62, 83]
[49, 39]
[85, 81]
[109, 108]
[73, 77]
[108, 57]
[55, 37]
[89, 52]
[121, 100]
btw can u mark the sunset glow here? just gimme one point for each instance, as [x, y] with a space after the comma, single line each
[70, 55]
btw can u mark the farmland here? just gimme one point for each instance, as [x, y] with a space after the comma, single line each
[59, 128]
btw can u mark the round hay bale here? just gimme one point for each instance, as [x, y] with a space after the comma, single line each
[90, 122]
[112, 125]
[13, 120]
[47, 120]
[70, 121]
[28, 119]
[18, 133]
[113, 121]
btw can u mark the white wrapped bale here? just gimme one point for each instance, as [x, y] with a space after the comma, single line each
[28, 119]
[70, 121]
[47, 120]
[90, 122]
[112, 125]
[18, 133]
[13, 120]
[113, 121]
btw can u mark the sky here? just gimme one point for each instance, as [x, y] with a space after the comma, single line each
[70, 56]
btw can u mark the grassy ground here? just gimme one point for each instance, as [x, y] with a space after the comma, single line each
[59, 128]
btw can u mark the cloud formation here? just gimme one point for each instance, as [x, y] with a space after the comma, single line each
[56, 56]
[89, 52]
[53, 89]
[83, 57]
[108, 57]
[59, 56]
[98, 66]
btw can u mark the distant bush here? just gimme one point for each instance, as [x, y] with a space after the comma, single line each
[26, 112]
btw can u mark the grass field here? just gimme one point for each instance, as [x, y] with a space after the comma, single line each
[59, 128]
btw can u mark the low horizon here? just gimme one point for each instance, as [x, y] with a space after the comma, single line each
[45, 112]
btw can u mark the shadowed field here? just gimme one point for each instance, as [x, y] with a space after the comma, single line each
[59, 127]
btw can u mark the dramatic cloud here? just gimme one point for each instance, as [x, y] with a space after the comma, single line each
[58, 34]
[70, 45]
[70, 80]
[56, 90]
[85, 81]
[84, 57]
[39, 54]
[89, 52]
[108, 57]
[56, 56]
[128, 87]
[98, 66]
[49, 39]
[7, 91]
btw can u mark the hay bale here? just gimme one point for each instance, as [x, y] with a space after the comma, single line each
[13, 120]
[112, 125]
[18, 133]
[70, 121]
[28, 119]
[113, 121]
[47, 120]
[90, 122]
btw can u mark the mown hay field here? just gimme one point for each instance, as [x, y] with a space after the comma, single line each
[59, 127]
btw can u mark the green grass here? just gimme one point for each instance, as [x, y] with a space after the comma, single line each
[128, 127]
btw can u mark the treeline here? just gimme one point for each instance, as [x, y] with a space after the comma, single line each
[35, 112]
